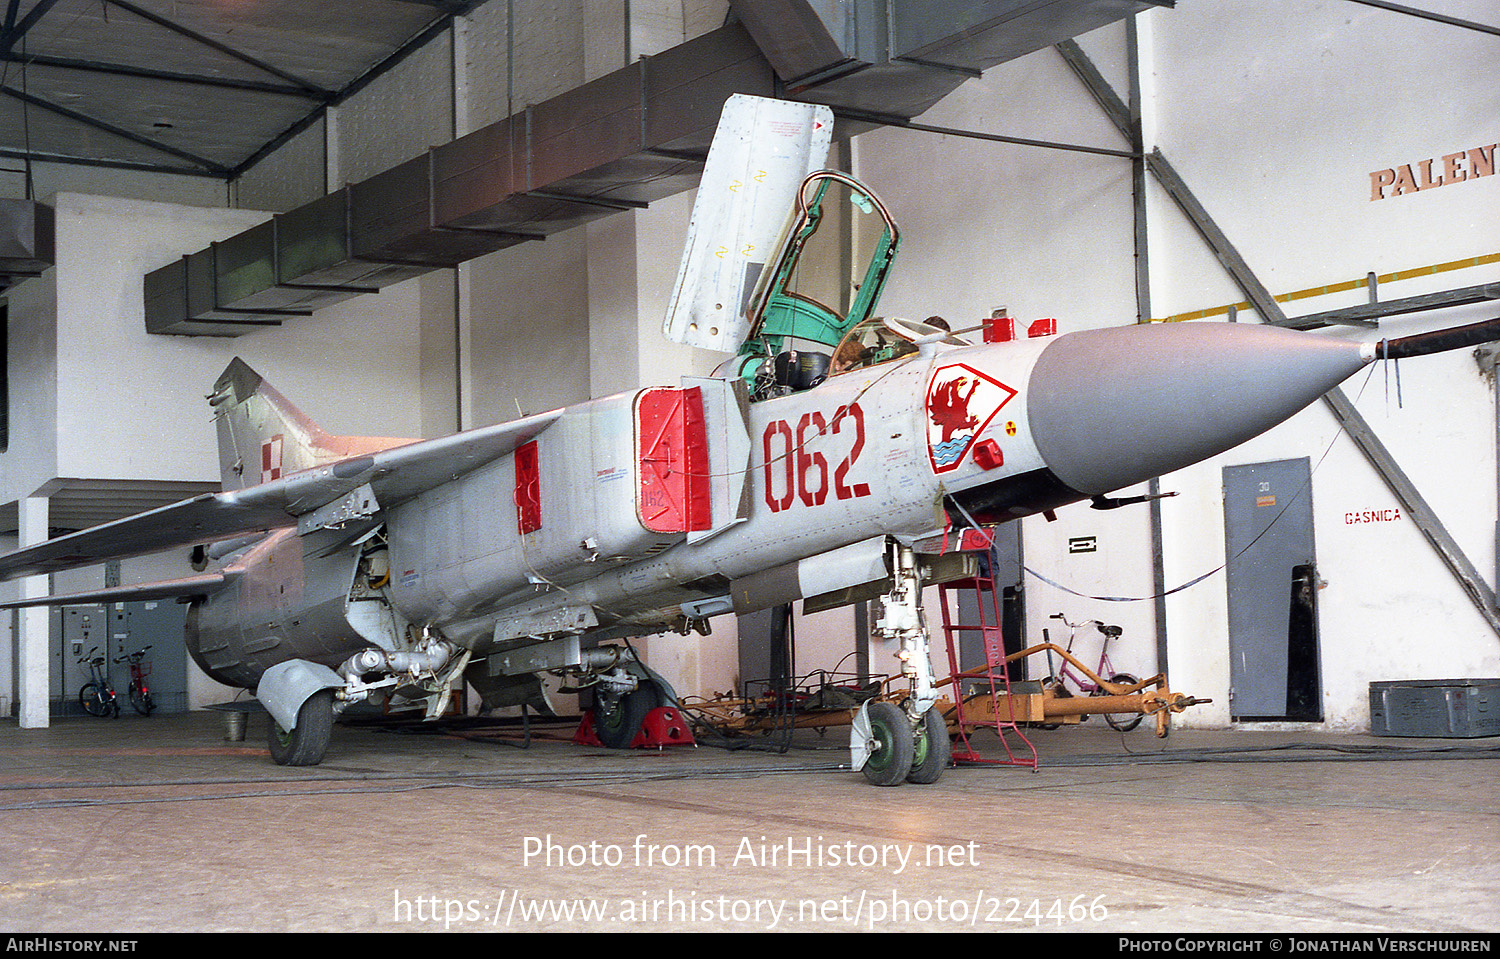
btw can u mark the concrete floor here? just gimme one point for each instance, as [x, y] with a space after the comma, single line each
[159, 824]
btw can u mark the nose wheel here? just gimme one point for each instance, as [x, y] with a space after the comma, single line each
[932, 750]
[896, 751]
[892, 744]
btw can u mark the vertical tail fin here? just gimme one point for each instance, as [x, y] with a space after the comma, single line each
[263, 437]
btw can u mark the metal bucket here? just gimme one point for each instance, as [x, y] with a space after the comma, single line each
[235, 726]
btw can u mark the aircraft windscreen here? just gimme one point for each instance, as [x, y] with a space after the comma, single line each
[874, 341]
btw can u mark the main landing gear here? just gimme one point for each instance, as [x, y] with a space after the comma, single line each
[307, 742]
[891, 743]
[304, 698]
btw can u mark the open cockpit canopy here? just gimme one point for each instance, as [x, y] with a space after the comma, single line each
[830, 268]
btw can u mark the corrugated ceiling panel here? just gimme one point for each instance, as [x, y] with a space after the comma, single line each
[96, 31]
[329, 44]
[51, 134]
[88, 57]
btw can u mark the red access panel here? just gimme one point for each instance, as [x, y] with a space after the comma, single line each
[528, 489]
[672, 449]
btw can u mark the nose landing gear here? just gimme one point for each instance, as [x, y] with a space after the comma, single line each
[893, 744]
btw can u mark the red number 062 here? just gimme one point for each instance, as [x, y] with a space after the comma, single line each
[795, 468]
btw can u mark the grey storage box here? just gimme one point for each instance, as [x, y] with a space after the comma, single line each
[1436, 708]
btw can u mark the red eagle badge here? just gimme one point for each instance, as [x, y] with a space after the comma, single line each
[961, 401]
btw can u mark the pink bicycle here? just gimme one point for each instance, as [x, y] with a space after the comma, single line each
[1082, 685]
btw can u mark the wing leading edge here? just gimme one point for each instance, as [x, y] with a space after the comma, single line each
[393, 476]
[200, 585]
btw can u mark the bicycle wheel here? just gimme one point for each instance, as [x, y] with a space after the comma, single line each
[140, 699]
[93, 700]
[1124, 722]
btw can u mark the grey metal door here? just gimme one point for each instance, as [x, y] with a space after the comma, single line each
[158, 624]
[83, 629]
[1273, 646]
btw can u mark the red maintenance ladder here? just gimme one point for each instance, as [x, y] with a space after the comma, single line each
[991, 681]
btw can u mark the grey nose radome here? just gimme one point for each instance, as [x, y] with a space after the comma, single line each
[1113, 407]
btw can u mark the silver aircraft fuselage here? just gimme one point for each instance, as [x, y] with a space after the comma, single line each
[914, 448]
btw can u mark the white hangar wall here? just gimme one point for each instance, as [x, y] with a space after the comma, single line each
[95, 397]
[450, 349]
[1040, 233]
[52, 178]
[1281, 120]
[353, 366]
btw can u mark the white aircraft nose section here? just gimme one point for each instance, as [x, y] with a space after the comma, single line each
[1114, 407]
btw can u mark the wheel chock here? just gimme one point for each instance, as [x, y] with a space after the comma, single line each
[663, 726]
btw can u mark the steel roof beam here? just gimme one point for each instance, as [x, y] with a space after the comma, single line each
[97, 124]
[358, 83]
[127, 70]
[1367, 313]
[450, 7]
[1429, 15]
[1218, 243]
[1114, 108]
[223, 48]
[15, 31]
[884, 119]
[39, 157]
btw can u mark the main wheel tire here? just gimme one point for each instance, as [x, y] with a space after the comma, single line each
[616, 728]
[305, 745]
[891, 760]
[141, 700]
[1124, 722]
[932, 750]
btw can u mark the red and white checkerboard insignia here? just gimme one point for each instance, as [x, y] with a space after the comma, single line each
[270, 459]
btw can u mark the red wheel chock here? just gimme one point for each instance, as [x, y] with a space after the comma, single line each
[663, 726]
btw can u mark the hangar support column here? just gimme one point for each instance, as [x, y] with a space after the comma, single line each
[617, 318]
[632, 258]
[32, 634]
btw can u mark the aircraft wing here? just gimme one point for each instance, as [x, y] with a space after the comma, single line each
[200, 585]
[392, 476]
